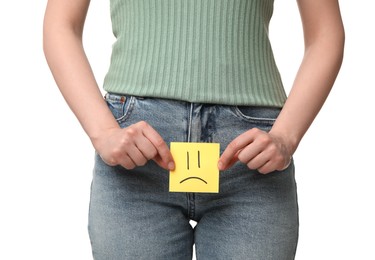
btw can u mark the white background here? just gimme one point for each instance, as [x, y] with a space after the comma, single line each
[46, 160]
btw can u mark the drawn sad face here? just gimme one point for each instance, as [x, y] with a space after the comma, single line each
[196, 167]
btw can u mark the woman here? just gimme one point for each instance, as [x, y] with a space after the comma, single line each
[193, 71]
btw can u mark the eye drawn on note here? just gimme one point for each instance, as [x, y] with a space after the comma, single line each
[196, 167]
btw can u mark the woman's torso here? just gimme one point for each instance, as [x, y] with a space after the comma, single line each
[207, 51]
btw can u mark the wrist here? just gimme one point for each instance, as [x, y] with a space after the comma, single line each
[98, 135]
[288, 139]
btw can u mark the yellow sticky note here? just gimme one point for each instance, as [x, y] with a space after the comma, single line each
[196, 167]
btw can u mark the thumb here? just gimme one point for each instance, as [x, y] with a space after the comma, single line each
[170, 166]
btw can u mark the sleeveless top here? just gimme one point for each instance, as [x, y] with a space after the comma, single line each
[206, 51]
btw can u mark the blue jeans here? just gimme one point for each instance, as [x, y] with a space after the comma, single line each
[134, 216]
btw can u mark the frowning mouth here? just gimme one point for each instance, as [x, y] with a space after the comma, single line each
[193, 178]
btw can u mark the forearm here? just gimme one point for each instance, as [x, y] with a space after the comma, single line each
[314, 80]
[74, 77]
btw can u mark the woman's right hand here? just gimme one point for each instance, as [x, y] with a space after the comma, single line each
[133, 146]
[62, 38]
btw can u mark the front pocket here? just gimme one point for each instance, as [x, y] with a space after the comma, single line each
[264, 117]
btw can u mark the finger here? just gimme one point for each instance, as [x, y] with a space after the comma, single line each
[136, 156]
[249, 153]
[270, 163]
[164, 157]
[258, 161]
[229, 157]
[230, 163]
[127, 162]
[161, 163]
[146, 148]
[268, 167]
[235, 146]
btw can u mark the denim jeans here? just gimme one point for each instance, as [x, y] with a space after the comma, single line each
[134, 216]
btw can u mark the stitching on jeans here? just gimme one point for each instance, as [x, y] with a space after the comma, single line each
[191, 205]
[190, 119]
[127, 110]
[261, 120]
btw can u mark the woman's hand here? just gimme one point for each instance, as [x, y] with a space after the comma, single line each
[324, 45]
[259, 150]
[133, 146]
[129, 147]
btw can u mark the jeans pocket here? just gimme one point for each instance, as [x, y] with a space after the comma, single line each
[120, 106]
[262, 117]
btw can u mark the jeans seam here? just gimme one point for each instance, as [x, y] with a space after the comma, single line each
[190, 119]
[191, 205]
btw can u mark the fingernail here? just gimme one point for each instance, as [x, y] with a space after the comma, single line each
[171, 166]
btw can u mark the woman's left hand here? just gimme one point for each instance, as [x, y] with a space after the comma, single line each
[257, 149]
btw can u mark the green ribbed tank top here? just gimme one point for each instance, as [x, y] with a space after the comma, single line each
[207, 51]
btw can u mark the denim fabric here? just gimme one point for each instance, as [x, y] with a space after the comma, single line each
[134, 216]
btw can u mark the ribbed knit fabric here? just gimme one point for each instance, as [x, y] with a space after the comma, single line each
[208, 51]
